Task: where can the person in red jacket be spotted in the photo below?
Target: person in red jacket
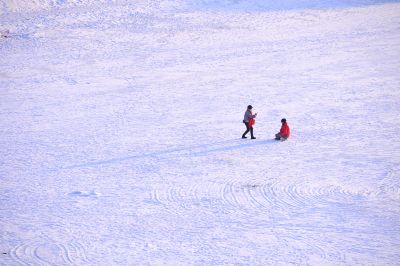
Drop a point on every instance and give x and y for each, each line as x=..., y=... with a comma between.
x=284, y=133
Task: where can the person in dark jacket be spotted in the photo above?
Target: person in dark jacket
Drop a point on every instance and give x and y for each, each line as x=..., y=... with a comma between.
x=248, y=120
x=284, y=133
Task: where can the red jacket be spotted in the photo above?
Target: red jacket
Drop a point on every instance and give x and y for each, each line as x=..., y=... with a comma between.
x=285, y=131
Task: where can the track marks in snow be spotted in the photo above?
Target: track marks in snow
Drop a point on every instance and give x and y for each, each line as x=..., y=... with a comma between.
x=49, y=253
x=253, y=197
x=389, y=185
x=180, y=198
x=266, y=202
x=281, y=195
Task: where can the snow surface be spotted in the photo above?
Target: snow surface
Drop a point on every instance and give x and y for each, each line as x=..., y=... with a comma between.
x=120, y=127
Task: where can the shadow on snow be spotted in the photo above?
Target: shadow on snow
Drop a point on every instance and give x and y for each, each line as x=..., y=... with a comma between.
x=198, y=150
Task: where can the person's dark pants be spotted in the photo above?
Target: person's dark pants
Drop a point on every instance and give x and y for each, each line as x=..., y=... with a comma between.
x=248, y=128
x=279, y=137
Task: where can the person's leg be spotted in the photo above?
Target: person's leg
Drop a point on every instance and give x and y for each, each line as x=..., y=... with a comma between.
x=278, y=136
x=251, y=133
x=247, y=130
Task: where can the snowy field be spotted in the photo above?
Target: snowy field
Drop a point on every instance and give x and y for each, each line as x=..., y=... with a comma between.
x=120, y=125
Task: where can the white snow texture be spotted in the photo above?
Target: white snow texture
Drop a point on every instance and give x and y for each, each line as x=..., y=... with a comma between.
x=121, y=124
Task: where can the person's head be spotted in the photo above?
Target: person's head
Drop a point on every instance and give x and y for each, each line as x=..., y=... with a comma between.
x=283, y=120
x=249, y=107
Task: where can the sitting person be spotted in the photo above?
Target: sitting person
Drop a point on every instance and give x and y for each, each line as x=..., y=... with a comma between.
x=284, y=133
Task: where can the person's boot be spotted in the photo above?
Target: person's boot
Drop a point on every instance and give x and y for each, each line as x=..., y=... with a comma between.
x=244, y=137
x=252, y=137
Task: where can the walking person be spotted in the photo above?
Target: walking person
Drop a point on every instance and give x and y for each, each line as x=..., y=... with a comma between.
x=249, y=122
x=284, y=133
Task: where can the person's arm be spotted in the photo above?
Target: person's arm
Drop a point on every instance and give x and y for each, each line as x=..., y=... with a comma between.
x=246, y=116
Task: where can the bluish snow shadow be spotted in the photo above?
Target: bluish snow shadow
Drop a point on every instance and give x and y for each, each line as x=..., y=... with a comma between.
x=83, y=194
x=234, y=147
x=282, y=5
x=198, y=150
